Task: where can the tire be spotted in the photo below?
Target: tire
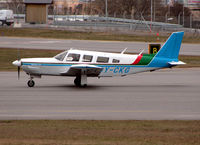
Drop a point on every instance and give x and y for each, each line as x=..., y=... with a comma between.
x=77, y=81
x=31, y=83
x=2, y=23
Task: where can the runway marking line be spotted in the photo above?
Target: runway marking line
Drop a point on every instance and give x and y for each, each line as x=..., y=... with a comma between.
x=93, y=111
x=104, y=111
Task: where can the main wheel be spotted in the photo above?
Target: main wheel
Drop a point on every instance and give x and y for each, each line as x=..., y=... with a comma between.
x=31, y=83
x=77, y=81
x=3, y=24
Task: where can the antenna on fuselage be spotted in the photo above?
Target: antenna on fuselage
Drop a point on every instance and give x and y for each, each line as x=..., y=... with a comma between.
x=124, y=50
x=141, y=52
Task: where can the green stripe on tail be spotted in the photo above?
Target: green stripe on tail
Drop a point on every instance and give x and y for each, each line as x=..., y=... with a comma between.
x=146, y=59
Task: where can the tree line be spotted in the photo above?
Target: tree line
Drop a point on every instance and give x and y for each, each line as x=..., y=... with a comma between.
x=137, y=8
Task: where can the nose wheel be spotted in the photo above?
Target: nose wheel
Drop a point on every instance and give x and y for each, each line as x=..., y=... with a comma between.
x=31, y=83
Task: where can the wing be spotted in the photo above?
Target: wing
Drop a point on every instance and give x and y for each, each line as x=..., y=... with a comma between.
x=89, y=70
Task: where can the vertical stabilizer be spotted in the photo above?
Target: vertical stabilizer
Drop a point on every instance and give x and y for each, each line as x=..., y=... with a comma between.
x=171, y=48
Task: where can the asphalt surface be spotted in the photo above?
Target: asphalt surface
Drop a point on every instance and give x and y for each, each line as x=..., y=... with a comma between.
x=113, y=46
x=166, y=94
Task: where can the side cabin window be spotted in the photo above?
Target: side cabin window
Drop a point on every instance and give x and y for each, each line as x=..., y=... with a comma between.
x=103, y=59
x=87, y=58
x=115, y=61
x=73, y=57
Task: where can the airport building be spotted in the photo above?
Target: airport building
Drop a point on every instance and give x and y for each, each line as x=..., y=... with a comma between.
x=65, y=5
x=68, y=6
x=37, y=11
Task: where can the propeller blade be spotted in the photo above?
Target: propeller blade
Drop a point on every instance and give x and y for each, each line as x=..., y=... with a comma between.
x=18, y=69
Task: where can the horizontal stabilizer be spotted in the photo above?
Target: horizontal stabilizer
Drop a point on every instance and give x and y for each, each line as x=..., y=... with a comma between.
x=173, y=63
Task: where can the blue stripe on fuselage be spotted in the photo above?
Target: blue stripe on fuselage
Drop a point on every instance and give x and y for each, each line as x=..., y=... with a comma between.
x=102, y=65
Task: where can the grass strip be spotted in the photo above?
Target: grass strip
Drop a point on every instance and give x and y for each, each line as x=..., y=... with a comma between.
x=7, y=56
x=81, y=132
x=108, y=36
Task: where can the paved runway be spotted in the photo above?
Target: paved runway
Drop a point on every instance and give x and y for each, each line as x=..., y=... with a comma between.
x=165, y=94
x=40, y=43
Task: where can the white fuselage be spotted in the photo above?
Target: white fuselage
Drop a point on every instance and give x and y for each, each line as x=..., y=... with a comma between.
x=113, y=64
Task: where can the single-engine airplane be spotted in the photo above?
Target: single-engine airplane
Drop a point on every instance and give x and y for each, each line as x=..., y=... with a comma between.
x=82, y=64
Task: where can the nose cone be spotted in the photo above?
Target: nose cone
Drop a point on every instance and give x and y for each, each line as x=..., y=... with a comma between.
x=16, y=63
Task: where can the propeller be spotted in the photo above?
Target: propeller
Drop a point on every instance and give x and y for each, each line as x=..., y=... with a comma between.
x=18, y=63
x=18, y=68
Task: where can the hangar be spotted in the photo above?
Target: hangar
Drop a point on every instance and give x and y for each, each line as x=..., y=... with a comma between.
x=37, y=11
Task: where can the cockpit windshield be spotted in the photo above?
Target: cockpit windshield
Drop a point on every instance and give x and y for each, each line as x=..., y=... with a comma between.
x=61, y=55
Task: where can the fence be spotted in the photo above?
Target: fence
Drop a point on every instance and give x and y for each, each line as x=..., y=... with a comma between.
x=97, y=22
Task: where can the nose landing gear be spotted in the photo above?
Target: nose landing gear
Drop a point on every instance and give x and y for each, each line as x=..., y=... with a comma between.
x=31, y=83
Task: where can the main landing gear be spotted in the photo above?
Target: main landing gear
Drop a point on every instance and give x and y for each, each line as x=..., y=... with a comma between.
x=77, y=81
x=80, y=81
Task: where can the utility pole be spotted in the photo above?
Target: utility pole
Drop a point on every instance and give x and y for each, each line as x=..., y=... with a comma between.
x=154, y=11
x=151, y=10
x=183, y=15
x=179, y=18
x=90, y=7
x=106, y=10
x=151, y=14
x=190, y=20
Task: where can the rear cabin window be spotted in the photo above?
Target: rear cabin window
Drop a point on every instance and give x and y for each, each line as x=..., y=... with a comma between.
x=115, y=61
x=73, y=57
x=87, y=58
x=102, y=59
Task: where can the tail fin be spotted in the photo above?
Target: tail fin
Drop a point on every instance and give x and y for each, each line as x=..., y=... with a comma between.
x=171, y=48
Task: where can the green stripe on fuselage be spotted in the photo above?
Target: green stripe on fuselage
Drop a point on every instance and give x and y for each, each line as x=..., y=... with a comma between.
x=146, y=59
